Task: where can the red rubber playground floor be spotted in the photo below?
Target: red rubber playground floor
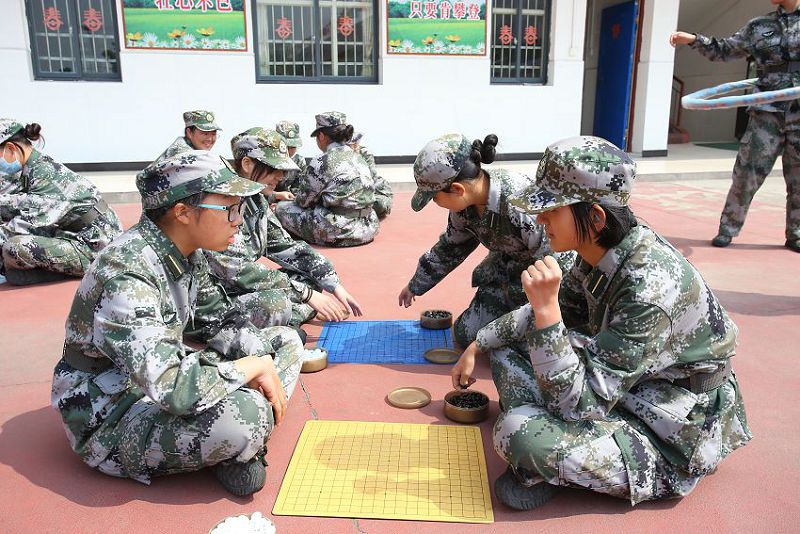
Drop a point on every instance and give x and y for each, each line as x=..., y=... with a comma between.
x=46, y=488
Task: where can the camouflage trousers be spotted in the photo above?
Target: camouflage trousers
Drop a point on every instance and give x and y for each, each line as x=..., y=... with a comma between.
x=612, y=456
x=155, y=442
x=489, y=303
x=768, y=134
x=320, y=226
x=65, y=256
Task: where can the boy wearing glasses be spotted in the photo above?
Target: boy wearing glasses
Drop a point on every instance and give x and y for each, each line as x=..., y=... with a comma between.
x=135, y=400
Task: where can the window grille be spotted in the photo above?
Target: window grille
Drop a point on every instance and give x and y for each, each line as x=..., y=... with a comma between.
x=74, y=39
x=316, y=40
x=520, y=40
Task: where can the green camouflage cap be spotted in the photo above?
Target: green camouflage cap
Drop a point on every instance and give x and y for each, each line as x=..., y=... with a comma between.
x=9, y=127
x=200, y=119
x=328, y=119
x=580, y=169
x=290, y=132
x=437, y=165
x=187, y=174
x=267, y=146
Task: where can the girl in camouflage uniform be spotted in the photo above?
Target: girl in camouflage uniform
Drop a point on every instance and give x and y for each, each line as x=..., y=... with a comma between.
x=333, y=204
x=291, y=179
x=622, y=384
x=773, y=42
x=134, y=399
x=262, y=156
x=383, y=191
x=53, y=222
x=448, y=171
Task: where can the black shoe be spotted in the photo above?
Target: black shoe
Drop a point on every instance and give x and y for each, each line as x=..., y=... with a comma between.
x=721, y=241
x=242, y=479
x=514, y=495
x=26, y=277
x=794, y=246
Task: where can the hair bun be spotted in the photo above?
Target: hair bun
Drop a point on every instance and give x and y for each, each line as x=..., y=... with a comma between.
x=486, y=148
x=32, y=131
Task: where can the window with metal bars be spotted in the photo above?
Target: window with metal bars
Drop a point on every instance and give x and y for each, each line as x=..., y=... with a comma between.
x=74, y=39
x=316, y=40
x=520, y=40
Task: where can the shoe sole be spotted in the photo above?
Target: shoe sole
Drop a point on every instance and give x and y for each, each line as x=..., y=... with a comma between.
x=521, y=498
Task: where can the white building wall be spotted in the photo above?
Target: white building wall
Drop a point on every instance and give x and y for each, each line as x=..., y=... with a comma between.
x=718, y=18
x=417, y=97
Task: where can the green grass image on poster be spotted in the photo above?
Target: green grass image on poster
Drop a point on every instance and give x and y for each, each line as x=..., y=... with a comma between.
x=414, y=36
x=152, y=28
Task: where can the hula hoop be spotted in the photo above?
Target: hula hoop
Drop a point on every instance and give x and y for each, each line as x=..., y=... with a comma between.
x=702, y=99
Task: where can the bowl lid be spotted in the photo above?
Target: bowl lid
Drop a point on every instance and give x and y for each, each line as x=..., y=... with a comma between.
x=442, y=355
x=409, y=397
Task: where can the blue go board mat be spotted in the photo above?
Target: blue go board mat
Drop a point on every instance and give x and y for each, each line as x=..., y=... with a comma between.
x=380, y=341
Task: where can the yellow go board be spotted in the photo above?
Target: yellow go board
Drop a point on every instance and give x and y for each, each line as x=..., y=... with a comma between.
x=387, y=471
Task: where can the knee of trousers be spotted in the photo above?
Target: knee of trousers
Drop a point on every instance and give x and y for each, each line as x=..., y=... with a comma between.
x=526, y=436
x=241, y=425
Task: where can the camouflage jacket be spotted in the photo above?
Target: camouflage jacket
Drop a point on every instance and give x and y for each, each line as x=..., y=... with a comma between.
x=382, y=188
x=132, y=307
x=640, y=319
x=291, y=180
x=46, y=198
x=772, y=41
x=513, y=238
x=338, y=180
x=261, y=234
x=180, y=144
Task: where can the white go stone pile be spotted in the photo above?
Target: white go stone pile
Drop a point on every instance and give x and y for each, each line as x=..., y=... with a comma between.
x=242, y=524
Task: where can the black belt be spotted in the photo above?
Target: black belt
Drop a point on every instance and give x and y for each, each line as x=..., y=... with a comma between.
x=789, y=66
x=87, y=218
x=704, y=382
x=78, y=360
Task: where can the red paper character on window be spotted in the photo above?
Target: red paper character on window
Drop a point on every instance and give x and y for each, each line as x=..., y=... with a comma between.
x=430, y=10
x=531, y=35
x=52, y=19
x=474, y=12
x=445, y=10
x=616, y=29
x=284, y=28
x=345, y=26
x=184, y=5
x=224, y=6
x=459, y=10
x=204, y=5
x=416, y=10
x=92, y=20
x=164, y=5
x=505, y=36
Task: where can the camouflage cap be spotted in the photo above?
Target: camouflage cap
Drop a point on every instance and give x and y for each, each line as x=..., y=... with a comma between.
x=200, y=119
x=189, y=173
x=580, y=169
x=437, y=165
x=327, y=119
x=267, y=146
x=9, y=127
x=356, y=139
x=290, y=132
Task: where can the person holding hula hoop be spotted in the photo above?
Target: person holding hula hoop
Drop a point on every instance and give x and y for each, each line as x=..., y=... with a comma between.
x=773, y=42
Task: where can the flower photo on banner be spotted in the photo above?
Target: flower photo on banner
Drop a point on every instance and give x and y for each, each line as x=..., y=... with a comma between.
x=203, y=25
x=436, y=27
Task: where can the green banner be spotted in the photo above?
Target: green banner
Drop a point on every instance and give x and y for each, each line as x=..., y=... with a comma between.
x=440, y=27
x=185, y=24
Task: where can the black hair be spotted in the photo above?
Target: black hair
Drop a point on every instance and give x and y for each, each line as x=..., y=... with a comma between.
x=190, y=128
x=339, y=134
x=155, y=214
x=31, y=132
x=259, y=168
x=619, y=221
x=481, y=152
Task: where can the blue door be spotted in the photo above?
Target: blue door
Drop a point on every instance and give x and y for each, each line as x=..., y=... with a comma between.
x=615, y=72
